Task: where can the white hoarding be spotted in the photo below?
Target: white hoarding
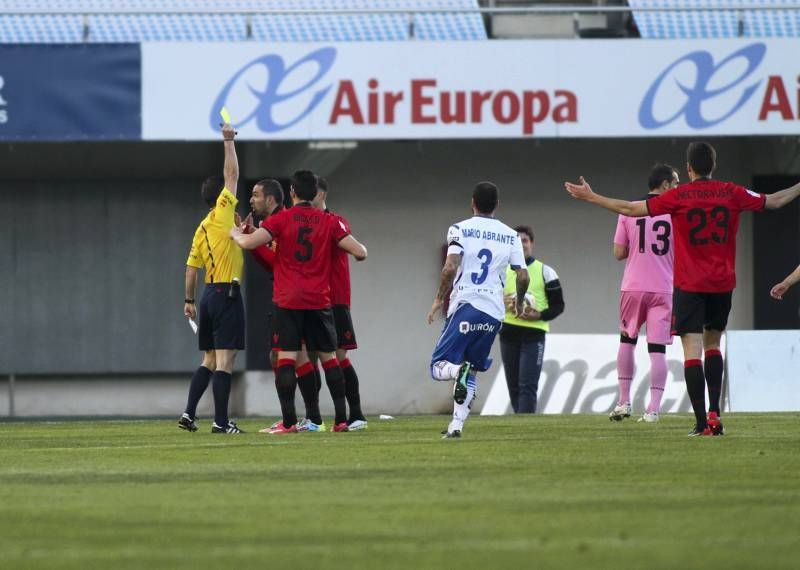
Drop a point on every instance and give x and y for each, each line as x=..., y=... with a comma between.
x=579, y=375
x=764, y=371
x=489, y=89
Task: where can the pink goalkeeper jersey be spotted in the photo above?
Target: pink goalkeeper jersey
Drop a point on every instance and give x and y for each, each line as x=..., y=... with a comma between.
x=650, y=253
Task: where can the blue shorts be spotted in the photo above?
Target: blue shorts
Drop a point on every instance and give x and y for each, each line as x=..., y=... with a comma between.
x=220, y=319
x=467, y=337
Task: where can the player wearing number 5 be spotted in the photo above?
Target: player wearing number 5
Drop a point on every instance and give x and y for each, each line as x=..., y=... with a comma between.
x=305, y=236
x=646, y=295
x=705, y=219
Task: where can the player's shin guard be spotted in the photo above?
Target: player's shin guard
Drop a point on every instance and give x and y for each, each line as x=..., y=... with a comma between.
x=351, y=391
x=221, y=387
x=461, y=411
x=625, y=367
x=658, y=375
x=696, y=387
x=443, y=370
x=335, y=381
x=713, y=368
x=307, y=383
x=285, y=384
x=197, y=387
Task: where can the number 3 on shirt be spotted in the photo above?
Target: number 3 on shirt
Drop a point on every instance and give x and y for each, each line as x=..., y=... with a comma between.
x=302, y=240
x=485, y=256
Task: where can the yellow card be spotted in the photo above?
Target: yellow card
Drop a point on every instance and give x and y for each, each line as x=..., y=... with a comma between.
x=226, y=116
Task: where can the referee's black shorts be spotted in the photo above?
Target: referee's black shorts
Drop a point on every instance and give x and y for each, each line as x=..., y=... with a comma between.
x=293, y=327
x=345, y=335
x=694, y=312
x=220, y=319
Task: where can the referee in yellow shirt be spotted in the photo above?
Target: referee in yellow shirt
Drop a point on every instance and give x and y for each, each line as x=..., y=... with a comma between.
x=220, y=312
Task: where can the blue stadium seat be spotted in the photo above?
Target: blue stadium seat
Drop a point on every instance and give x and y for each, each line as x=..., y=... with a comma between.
x=105, y=21
x=716, y=23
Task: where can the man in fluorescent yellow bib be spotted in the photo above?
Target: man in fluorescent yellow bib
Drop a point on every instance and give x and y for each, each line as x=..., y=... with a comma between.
x=522, y=338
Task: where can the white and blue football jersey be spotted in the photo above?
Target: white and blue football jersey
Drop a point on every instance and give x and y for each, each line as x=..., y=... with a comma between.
x=487, y=247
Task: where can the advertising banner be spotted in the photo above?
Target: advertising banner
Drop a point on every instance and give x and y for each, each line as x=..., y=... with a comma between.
x=763, y=371
x=487, y=89
x=579, y=376
x=58, y=92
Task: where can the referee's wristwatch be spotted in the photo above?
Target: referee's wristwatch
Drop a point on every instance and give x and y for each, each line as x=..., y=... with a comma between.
x=189, y=301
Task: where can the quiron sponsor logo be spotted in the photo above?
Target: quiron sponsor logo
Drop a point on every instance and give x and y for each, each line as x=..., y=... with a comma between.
x=465, y=327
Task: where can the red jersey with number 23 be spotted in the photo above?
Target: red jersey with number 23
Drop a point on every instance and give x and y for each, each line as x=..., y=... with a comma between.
x=705, y=219
x=305, y=236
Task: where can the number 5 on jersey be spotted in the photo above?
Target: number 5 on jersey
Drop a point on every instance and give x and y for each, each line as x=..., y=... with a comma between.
x=305, y=253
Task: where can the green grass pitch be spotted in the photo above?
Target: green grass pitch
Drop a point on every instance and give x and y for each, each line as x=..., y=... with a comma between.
x=515, y=492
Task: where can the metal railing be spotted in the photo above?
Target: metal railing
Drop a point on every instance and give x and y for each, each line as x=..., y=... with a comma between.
x=411, y=14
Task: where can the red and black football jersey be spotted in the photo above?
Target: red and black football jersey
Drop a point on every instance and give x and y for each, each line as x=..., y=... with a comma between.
x=305, y=237
x=705, y=219
x=340, y=269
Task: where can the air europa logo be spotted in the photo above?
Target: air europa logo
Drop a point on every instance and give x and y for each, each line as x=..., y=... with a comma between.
x=423, y=102
x=428, y=104
x=691, y=107
x=275, y=92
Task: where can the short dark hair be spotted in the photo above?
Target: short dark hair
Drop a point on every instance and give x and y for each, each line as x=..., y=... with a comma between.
x=322, y=184
x=271, y=187
x=485, y=197
x=211, y=189
x=304, y=183
x=702, y=158
x=660, y=173
x=527, y=230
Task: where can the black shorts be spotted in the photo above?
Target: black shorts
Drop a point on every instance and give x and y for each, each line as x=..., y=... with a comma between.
x=345, y=335
x=293, y=327
x=220, y=319
x=694, y=312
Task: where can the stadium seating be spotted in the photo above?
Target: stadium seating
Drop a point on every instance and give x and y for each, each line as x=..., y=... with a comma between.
x=716, y=23
x=104, y=21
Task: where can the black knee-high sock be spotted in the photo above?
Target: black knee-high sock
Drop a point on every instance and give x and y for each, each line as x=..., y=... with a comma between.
x=285, y=384
x=351, y=390
x=197, y=387
x=221, y=385
x=317, y=378
x=713, y=367
x=335, y=381
x=696, y=387
x=307, y=383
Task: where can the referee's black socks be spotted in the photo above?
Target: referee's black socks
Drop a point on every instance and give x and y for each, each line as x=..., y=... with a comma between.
x=696, y=388
x=285, y=383
x=221, y=386
x=713, y=370
x=307, y=382
x=197, y=388
x=351, y=390
x=335, y=381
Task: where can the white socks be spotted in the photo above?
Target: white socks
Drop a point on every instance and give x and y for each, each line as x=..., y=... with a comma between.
x=461, y=411
x=443, y=370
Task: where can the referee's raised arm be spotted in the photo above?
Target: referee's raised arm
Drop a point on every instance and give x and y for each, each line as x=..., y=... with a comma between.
x=230, y=170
